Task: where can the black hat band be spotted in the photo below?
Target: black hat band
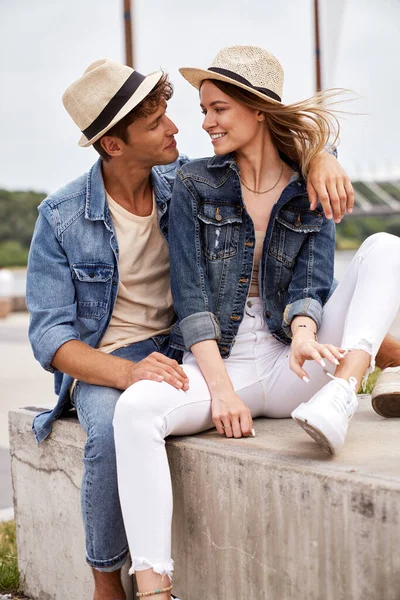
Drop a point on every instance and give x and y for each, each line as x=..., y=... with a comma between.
x=240, y=79
x=114, y=106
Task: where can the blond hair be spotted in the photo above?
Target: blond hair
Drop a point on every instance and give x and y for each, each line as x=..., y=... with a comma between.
x=300, y=130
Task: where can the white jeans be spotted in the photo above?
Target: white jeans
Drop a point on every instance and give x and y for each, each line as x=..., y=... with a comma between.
x=357, y=316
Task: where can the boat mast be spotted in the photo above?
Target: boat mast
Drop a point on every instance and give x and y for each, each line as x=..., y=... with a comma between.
x=318, y=77
x=128, y=32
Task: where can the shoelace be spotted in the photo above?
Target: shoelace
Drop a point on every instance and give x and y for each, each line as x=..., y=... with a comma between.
x=338, y=400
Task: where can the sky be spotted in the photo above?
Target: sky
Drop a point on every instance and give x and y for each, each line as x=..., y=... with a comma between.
x=47, y=44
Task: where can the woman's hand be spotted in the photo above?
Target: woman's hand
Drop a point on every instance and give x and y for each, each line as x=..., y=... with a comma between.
x=308, y=349
x=328, y=182
x=230, y=414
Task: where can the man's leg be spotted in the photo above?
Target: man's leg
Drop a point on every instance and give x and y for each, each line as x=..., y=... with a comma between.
x=389, y=353
x=386, y=393
x=106, y=544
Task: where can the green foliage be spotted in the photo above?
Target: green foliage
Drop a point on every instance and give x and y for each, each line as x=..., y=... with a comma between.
x=368, y=386
x=9, y=576
x=12, y=254
x=352, y=231
x=18, y=214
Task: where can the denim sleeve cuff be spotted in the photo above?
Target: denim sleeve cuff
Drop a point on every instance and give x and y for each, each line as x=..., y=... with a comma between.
x=199, y=327
x=51, y=341
x=306, y=307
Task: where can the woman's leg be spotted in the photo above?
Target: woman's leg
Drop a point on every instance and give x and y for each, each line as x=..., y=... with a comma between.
x=145, y=415
x=356, y=318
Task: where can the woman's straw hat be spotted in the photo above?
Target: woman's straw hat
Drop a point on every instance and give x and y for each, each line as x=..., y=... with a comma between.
x=249, y=67
x=105, y=94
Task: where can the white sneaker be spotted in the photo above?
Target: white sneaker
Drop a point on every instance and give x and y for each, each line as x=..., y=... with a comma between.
x=385, y=396
x=326, y=416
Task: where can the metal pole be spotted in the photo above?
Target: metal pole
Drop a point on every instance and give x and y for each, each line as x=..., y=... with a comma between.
x=318, y=77
x=128, y=33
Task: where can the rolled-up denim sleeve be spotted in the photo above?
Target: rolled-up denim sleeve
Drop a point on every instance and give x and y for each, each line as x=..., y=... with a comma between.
x=312, y=278
x=50, y=293
x=189, y=282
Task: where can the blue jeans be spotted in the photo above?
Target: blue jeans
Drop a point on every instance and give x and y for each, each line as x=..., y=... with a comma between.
x=106, y=543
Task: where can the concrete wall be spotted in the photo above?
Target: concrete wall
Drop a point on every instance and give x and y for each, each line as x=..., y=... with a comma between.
x=46, y=482
x=269, y=518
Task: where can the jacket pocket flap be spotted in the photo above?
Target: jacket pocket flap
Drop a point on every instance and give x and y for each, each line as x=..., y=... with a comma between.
x=219, y=213
x=300, y=221
x=93, y=272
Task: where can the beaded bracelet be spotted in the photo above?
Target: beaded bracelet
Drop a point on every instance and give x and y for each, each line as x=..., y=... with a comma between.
x=154, y=592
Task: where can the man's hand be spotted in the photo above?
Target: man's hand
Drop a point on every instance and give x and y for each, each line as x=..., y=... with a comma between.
x=328, y=182
x=99, y=368
x=157, y=367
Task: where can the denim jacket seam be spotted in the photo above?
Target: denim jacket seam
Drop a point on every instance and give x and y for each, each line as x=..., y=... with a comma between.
x=204, y=180
x=52, y=202
x=198, y=250
x=310, y=264
x=63, y=226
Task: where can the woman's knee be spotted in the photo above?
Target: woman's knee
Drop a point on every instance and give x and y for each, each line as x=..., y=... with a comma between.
x=384, y=244
x=137, y=406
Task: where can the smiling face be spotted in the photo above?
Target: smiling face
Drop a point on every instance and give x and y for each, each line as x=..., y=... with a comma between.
x=230, y=124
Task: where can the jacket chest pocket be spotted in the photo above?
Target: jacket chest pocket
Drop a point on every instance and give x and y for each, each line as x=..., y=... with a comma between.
x=219, y=229
x=291, y=229
x=92, y=288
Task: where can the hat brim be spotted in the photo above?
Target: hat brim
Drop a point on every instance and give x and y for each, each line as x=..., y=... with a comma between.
x=140, y=94
x=196, y=77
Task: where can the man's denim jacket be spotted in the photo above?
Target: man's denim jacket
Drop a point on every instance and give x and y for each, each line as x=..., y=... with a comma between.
x=211, y=241
x=73, y=275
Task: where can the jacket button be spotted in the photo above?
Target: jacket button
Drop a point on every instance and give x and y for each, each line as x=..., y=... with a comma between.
x=91, y=275
x=268, y=314
x=114, y=283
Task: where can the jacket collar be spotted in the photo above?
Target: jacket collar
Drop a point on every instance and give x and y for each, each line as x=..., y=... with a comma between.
x=228, y=160
x=96, y=207
x=95, y=204
x=223, y=160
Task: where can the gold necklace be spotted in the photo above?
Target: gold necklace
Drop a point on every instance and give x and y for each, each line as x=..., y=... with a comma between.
x=265, y=191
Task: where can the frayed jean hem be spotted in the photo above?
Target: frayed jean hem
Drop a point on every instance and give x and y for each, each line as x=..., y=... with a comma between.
x=142, y=564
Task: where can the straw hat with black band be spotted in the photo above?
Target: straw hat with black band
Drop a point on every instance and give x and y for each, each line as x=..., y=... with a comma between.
x=249, y=67
x=105, y=94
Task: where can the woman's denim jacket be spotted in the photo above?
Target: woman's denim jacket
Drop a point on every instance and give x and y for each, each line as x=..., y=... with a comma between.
x=73, y=274
x=211, y=240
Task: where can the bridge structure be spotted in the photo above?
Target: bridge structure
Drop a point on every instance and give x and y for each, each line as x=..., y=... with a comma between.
x=376, y=198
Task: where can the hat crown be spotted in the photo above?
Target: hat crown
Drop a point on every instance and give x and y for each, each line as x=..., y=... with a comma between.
x=86, y=97
x=261, y=68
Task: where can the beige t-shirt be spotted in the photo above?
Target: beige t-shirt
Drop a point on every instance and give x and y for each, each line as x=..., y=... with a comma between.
x=254, y=288
x=143, y=307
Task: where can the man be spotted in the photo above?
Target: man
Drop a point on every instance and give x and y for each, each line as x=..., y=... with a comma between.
x=98, y=280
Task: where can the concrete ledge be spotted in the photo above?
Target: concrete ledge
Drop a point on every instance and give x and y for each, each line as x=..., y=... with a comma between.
x=269, y=518
x=46, y=483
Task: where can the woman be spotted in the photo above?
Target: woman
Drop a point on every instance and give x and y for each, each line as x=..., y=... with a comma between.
x=252, y=272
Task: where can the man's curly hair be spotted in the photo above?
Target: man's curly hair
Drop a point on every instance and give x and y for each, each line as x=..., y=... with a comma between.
x=162, y=91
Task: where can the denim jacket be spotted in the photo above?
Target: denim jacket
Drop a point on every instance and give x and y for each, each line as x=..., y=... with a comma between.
x=73, y=277
x=211, y=240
